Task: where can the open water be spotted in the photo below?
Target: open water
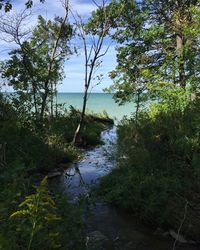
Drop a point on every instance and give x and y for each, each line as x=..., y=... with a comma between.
x=97, y=102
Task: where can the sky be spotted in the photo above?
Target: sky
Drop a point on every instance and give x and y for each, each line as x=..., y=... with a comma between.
x=74, y=67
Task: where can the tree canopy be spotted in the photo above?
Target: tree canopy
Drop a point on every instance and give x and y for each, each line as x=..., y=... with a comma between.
x=157, y=46
x=27, y=70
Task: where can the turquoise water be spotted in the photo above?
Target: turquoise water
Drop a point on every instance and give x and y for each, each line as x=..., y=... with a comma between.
x=97, y=102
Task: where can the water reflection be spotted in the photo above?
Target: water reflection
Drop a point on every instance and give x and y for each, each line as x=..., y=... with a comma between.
x=106, y=224
x=96, y=163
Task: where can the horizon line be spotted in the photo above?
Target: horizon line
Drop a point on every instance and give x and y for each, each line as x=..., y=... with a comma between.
x=65, y=92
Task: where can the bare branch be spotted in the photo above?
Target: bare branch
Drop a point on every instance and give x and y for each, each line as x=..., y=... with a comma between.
x=12, y=27
x=105, y=52
x=92, y=52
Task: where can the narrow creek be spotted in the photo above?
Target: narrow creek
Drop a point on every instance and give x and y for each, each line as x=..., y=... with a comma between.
x=108, y=227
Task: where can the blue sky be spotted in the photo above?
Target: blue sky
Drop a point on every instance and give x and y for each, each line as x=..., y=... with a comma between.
x=74, y=67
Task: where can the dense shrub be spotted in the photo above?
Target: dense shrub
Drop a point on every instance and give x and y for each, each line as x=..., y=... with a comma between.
x=42, y=220
x=158, y=172
x=29, y=149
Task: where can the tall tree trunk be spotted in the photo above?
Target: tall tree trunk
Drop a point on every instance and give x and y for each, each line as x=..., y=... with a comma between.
x=56, y=100
x=52, y=96
x=44, y=101
x=35, y=100
x=180, y=52
x=137, y=106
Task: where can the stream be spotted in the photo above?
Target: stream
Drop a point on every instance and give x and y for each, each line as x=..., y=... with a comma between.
x=108, y=227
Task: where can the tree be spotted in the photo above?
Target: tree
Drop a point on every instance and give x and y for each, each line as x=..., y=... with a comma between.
x=7, y=5
x=128, y=76
x=92, y=34
x=176, y=19
x=36, y=67
x=158, y=47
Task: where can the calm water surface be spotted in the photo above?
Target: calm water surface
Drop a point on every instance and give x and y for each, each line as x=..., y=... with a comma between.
x=107, y=227
x=97, y=102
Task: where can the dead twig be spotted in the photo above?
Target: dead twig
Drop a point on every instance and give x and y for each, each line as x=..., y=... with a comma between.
x=182, y=222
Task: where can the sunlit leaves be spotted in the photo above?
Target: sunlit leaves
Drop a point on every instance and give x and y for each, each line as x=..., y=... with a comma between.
x=28, y=69
x=40, y=210
x=148, y=52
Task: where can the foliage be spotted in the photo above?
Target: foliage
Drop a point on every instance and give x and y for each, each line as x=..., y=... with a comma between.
x=158, y=148
x=14, y=184
x=34, y=139
x=33, y=148
x=33, y=70
x=158, y=165
x=63, y=230
x=93, y=35
x=39, y=211
x=7, y=5
x=91, y=130
x=159, y=45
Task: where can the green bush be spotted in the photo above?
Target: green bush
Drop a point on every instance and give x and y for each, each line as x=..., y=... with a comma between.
x=43, y=220
x=32, y=148
x=158, y=166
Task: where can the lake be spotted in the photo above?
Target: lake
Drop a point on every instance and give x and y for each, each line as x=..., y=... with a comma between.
x=97, y=102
